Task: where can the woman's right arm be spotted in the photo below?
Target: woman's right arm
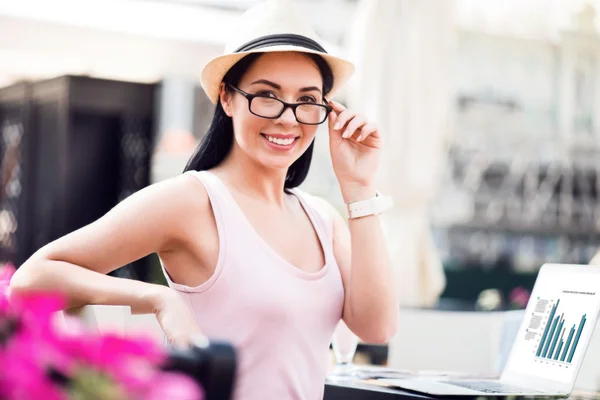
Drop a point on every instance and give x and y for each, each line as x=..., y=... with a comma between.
x=153, y=219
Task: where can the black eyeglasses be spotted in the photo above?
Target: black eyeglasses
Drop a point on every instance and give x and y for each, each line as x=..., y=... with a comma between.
x=272, y=108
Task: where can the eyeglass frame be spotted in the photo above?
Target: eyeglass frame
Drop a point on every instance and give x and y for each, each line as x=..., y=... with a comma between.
x=286, y=105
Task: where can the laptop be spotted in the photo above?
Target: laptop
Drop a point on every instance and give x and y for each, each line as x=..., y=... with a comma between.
x=548, y=351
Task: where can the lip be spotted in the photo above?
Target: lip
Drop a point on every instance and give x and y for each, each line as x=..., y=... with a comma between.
x=281, y=135
x=278, y=147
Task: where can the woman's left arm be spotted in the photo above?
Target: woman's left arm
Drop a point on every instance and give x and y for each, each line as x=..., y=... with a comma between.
x=370, y=305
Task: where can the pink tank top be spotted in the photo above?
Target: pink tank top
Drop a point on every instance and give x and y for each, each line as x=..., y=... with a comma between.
x=279, y=318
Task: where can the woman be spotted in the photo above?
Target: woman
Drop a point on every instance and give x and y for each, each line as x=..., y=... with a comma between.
x=249, y=257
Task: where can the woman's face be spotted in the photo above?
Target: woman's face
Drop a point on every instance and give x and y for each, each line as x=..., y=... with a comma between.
x=288, y=76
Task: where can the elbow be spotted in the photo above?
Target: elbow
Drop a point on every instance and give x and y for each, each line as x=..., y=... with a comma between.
x=19, y=283
x=23, y=279
x=382, y=334
x=386, y=328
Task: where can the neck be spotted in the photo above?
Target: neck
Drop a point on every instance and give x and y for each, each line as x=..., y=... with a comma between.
x=251, y=178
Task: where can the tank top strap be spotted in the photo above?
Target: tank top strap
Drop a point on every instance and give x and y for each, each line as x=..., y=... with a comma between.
x=228, y=213
x=218, y=201
x=214, y=191
x=321, y=217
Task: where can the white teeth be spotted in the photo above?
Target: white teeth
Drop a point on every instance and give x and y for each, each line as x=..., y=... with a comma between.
x=281, y=142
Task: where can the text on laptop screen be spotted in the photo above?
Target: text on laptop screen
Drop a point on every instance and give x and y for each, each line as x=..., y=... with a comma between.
x=559, y=321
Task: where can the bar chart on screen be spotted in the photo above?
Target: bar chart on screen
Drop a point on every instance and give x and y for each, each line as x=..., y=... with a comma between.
x=559, y=343
x=558, y=325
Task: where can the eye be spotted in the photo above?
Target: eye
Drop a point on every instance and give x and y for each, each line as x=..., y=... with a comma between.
x=307, y=99
x=266, y=93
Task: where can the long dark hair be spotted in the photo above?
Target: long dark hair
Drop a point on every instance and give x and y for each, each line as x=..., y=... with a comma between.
x=217, y=142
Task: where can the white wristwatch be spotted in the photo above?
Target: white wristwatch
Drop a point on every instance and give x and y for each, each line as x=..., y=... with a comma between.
x=373, y=206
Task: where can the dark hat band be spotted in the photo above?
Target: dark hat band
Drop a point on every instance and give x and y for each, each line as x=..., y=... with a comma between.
x=287, y=39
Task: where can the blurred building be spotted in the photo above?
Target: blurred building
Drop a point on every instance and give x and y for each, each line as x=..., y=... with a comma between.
x=520, y=184
x=522, y=180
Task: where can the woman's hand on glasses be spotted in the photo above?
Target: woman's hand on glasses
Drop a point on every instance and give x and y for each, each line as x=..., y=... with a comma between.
x=355, y=149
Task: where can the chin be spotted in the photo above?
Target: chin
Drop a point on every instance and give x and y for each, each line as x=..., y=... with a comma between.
x=277, y=162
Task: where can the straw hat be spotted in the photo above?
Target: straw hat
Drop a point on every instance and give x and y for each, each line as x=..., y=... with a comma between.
x=270, y=26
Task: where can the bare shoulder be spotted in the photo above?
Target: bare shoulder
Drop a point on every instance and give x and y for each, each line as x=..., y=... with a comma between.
x=154, y=219
x=190, y=190
x=339, y=231
x=325, y=206
x=330, y=212
x=182, y=199
x=183, y=194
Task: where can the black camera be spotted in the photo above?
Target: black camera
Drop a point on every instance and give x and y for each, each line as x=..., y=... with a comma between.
x=211, y=364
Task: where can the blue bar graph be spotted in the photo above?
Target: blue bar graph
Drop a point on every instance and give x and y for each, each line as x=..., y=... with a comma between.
x=556, y=335
x=581, y=324
x=561, y=344
x=553, y=344
x=564, y=354
x=551, y=337
x=545, y=335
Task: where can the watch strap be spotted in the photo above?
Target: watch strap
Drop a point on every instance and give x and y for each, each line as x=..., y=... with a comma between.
x=373, y=206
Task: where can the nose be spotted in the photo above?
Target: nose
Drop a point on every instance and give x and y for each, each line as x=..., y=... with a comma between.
x=287, y=118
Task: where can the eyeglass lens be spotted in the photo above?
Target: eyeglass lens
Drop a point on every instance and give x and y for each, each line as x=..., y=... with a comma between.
x=271, y=108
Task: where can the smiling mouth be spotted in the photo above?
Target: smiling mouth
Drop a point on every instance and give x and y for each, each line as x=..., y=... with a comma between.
x=280, y=141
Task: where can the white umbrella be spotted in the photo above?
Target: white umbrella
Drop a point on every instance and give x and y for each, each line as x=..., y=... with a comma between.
x=403, y=52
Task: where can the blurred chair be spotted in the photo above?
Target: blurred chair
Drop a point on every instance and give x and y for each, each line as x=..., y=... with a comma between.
x=145, y=325
x=118, y=319
x=469, y=342
x=100, y=318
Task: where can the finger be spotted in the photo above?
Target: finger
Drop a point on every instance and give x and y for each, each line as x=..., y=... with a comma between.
x=343, y=119
x=331, y=120
x=178, y=343
x=337, y=107
x=355, y=124
x=366, y=131
x=333, y=134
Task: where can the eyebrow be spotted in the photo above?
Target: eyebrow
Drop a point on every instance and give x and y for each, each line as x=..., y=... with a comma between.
x=310, y=89
x=278, y=87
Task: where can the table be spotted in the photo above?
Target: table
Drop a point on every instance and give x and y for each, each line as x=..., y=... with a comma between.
x=362, y=391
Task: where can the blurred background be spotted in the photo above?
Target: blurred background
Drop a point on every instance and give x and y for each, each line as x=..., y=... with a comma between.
x=490, y=113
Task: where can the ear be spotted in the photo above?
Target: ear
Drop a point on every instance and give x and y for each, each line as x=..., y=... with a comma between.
x=225, y=97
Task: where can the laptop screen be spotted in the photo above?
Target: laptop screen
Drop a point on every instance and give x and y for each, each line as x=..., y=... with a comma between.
x=558, y=324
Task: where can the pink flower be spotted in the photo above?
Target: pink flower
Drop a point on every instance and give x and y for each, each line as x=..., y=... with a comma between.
x=34, y=313
x=6, y=273
x=519, y=297
x=4, y=306
x=33, y=346
x=30, y=346
x=29, y=356
x=174, y=386
x=129, y=362
x=27, y=379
